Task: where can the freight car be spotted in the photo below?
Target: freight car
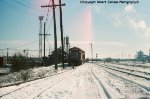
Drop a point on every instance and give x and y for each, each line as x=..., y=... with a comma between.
x=76, y=56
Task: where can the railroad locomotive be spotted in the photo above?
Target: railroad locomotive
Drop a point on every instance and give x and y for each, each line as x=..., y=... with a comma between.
x=76, y=56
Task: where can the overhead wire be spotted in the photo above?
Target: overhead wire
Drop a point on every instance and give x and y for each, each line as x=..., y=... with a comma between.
x=47, y=15
x=26, y=44
x=48, y=22
x=28, y=6
x=49, y=43
x=48, y=28
x=19, y=9
x=27, y=1
x=13, y=7
x=24, y=4
x=12, y=4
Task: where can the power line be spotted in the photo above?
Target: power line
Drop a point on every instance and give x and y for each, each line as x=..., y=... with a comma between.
x=49, y=25
x=26, y=44
x=22, y=3
x=49, y=43
x=28, y=2
x=55, y=29
x=47, y=15
x=12, y=6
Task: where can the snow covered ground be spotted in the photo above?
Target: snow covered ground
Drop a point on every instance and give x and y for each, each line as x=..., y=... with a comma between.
x=88, y=81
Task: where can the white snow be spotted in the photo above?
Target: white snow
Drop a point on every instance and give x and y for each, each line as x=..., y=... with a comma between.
x=88, y=81
x=141, y=81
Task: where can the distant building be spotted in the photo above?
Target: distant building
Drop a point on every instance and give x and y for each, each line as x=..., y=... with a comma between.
x=3, y=61
x=142, y=57
x=59, y=56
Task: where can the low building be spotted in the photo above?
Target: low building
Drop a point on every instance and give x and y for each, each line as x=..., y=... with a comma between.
x=142, y=57
x=3, y=61
x=59, y=56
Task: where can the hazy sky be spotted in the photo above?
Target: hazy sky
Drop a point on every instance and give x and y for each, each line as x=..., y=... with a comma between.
x=115, y=30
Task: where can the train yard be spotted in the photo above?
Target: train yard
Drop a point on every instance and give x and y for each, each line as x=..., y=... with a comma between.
x=134, y=74
x=88, y=81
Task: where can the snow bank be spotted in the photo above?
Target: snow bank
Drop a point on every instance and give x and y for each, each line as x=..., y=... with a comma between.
x=29, y=75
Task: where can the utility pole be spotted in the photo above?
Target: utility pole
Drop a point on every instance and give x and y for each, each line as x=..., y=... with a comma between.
x=92, y=51
x=55, y=35
x=7, y=55
x=149, y=52
x=55, y=32
x=67, y=43
x=61, y=29
x=44, y=40
x=64, y=43
x=149, y=56
x=96, y=56
x=44, y=43
x=49, y=51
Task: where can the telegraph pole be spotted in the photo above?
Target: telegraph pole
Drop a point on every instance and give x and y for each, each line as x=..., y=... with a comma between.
x=55, y=34
x=44, y=38
x=67, y=43
x=92, y=51
x=61, y=29
x=149, y=52
x=7, y=55
x=44, y=42
x=149, y=56
x=96, y=56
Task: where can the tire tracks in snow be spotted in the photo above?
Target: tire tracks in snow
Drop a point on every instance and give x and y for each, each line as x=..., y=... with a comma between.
x=85, y=85
x=108, y=96
x=54, y=85
x=67, y=91
x=42, y=79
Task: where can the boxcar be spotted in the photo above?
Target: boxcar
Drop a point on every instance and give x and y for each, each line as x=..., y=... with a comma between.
x=76, y=56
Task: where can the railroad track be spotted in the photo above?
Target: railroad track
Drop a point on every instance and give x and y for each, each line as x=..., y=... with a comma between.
x=106, y=92
x=139, y=68
x=136, y=65
x=129, y=69
x=136, y=73
x=110, y=71
x=145, y=87
x=42, y=80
